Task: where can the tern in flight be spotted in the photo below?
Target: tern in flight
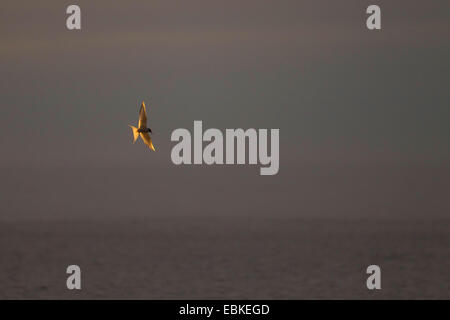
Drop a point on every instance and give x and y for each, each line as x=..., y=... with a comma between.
x=142, y=129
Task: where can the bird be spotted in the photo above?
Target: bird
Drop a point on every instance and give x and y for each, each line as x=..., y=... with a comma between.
x=142, y=130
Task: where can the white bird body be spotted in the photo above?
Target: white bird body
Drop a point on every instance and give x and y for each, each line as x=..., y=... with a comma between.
x=142, y=130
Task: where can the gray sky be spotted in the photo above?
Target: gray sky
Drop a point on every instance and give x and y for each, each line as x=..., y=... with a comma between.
x=340, y=94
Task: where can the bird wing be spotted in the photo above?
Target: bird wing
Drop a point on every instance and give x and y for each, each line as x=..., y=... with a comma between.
x=147, y=140
x=142, y=117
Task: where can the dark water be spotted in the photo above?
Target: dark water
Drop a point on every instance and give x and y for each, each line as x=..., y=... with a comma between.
x=225, y=258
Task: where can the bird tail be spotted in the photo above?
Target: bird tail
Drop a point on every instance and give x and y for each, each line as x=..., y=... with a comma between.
x=135, y=133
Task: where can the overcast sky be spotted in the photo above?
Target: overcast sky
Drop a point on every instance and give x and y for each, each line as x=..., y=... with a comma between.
x=339, y=93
